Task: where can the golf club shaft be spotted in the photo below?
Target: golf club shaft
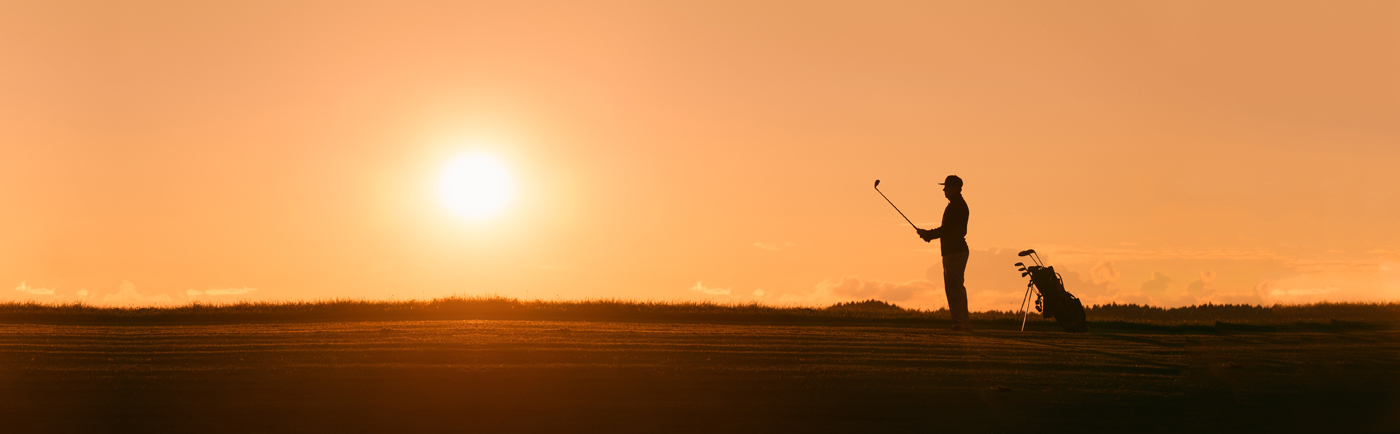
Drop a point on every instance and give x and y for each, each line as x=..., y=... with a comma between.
x=896, y=209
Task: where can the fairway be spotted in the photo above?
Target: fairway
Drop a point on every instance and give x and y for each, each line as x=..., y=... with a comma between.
x=540, y=376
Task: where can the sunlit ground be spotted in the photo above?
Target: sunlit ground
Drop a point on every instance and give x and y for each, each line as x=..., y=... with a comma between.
x=553, y=376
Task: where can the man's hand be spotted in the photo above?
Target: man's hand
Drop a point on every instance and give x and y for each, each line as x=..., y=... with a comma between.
x=926, y=234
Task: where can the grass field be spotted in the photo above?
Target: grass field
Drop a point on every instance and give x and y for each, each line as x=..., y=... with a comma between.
x=125, y=373
x=870, y=311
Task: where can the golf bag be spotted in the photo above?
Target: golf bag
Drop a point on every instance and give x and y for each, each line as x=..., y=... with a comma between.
x=1051, y=299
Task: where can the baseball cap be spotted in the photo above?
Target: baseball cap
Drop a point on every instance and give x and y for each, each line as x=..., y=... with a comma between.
x=953, y=180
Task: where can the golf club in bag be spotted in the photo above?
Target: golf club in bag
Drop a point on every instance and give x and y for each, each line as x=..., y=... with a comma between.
x=1051, y=299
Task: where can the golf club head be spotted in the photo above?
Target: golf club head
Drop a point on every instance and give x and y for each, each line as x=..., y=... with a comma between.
x=877, y=183
x=1027, y=252
x=1021, y=269
x=1025, y=274
x=1018, y=264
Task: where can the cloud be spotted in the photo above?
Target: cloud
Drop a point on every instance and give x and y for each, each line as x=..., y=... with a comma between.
x=1241, y=275
x=1202, y=288
x=1167, y=278
x=772, y=247
x=1302, y=291
x=1248, y=296
x=1335, y=281
x=25, y=288
x=1205, y=290
x=701, y=288
x=49, y=295
x=1083, y=254
x=1104, y=272
x=1390, y=280
x=849, y=288
x=218, y=292
x=1090, y=290
x=127, y=296
x=1307, y=288
x=1162, y=290
x=1156, y=277
x=730, y=294
x=856, y=288
x=1155, y=291
x=1157, y=284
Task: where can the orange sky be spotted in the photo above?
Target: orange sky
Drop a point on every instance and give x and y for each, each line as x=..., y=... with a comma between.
x=1165, y=152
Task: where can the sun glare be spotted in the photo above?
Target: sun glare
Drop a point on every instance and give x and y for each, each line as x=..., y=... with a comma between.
x=475, y=186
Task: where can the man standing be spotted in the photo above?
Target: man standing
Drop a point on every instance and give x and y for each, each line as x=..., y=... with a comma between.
x=954, y=247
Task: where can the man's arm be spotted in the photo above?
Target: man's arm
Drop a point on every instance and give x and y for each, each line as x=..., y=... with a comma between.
x=931, y=234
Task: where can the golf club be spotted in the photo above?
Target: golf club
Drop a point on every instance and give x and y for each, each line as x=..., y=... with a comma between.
x=896, y=209
x=1034, y=257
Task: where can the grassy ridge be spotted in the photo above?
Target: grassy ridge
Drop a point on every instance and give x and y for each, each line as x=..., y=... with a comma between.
x=627, y=310
x=458, y=308
x=1314, y=312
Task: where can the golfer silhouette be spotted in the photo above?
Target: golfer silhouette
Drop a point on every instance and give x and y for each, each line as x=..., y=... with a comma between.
x=953, y=245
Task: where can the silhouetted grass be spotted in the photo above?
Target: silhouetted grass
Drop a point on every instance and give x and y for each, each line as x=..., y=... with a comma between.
x=1240, y=313
x=491, y=307
x=454, y=308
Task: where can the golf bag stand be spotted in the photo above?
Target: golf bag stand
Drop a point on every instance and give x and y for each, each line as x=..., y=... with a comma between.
x=1052, y=300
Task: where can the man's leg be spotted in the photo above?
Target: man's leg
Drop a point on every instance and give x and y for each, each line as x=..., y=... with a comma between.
x=954, y=265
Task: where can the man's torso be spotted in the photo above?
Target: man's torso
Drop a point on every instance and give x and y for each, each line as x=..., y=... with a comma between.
x=954, y=237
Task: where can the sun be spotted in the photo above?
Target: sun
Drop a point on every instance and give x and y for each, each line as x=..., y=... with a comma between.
x=475, y=186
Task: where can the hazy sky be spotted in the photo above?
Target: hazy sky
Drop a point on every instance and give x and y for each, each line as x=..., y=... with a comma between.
x=1165, y=152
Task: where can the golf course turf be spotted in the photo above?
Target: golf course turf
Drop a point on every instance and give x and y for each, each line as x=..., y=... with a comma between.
x=657, y=376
